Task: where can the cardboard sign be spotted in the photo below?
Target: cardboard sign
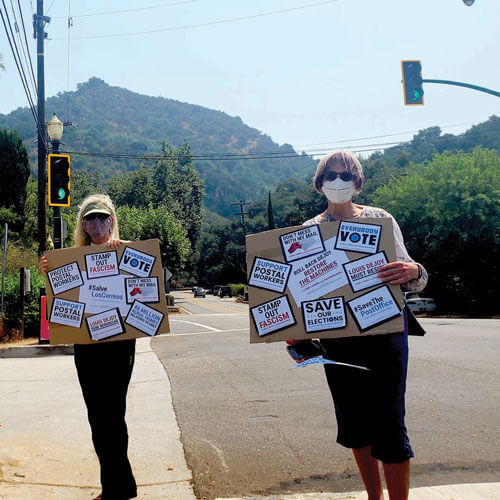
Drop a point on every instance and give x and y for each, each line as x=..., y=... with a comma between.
x=272, y=316
x=316, y=276
x=101, y=264
x=141, y=289
x=137, y=263
x=93, y=308
x=65, y=278
x=324, y=314
x=301, y=243
x=362, y=273
x=358, y=237
x=316, y=301
x=269, y=275
x=67, y=312
x=374, y=308
x=144, y=318
x=105, y=325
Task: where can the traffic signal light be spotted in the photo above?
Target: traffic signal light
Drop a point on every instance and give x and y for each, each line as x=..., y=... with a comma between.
x=59, y=180
x=412, y=83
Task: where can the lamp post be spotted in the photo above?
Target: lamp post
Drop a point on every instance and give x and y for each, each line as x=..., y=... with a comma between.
x=55, y=129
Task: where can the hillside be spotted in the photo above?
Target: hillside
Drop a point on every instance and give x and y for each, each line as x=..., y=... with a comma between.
x=114, y=120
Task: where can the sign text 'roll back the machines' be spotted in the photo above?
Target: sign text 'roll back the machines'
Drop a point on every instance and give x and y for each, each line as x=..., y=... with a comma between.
x=321, y=281
x=99, y=294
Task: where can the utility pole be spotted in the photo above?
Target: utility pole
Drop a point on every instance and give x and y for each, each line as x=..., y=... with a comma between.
x=39, y=21
x=242, y=213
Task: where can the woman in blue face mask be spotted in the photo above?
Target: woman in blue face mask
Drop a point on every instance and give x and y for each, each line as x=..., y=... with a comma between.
x=105, y=389
x=369, y=405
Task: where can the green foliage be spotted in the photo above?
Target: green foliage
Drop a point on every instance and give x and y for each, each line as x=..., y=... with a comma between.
x=449, y=212
x=238, y=289
x=142, y=224
x=14, y=174
x=113, y=120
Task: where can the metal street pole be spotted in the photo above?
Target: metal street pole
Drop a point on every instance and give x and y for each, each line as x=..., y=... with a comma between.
x=39, y=23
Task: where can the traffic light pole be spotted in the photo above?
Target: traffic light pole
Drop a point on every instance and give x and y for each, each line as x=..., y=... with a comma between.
x=39, y=23
x=461, y=84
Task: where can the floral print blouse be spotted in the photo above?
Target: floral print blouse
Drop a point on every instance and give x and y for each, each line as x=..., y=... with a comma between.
x=401, y=253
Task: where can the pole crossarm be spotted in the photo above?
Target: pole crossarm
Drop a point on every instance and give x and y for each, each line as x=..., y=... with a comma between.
x=461, y=84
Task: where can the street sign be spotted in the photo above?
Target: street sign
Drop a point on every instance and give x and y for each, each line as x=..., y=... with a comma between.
x=167, y=274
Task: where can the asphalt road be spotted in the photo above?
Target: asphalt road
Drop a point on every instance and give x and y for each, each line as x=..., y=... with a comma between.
x=252, y=424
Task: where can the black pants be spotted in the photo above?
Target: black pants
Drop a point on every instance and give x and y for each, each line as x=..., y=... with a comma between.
x=104, y=372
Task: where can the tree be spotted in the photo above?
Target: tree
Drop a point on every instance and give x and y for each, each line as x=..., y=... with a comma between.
x=14, y=175
x=142, y=224
x=449, y=212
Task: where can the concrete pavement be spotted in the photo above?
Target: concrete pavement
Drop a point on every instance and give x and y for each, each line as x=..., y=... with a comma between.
x=46, y=450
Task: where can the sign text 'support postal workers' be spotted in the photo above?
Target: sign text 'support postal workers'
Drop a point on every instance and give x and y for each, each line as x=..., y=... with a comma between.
x=321, y=281
x=96, y=294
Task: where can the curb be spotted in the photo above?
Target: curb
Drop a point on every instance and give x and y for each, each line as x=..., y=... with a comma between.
x=36, y=351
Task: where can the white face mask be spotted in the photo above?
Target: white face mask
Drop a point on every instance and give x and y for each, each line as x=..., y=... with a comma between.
x=338, y=191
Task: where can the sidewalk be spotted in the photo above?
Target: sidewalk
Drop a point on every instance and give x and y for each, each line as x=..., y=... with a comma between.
x=46, y=451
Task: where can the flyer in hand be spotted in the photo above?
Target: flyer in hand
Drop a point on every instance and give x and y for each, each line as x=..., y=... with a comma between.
x=321, y=281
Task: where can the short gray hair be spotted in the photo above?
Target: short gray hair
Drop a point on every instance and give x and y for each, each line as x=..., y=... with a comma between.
x=345, y=159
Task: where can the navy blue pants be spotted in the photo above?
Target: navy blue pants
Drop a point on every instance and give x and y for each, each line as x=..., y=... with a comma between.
x=104, y=372
x=370, y=405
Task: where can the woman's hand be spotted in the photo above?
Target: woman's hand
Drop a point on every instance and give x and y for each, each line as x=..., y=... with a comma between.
x=114, y=243
x=399, y=272
x=44, y=264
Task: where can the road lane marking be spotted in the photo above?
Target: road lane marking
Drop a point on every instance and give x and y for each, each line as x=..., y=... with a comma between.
x=209, y=304
x=204, y=333
x=197, y=324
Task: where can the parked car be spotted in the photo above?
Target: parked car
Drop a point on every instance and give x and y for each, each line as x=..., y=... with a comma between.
x=225, y=291
x=421, y=304
x=199, y=292
x=194, y=288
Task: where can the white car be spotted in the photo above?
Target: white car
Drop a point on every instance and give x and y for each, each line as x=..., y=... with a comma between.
x=420, y=304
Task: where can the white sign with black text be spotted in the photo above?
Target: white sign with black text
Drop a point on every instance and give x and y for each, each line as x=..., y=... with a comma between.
x=358, y=237
x=269, y=274
x=65, y=278
x=101, y=264
x=316, y=276
x=67, y=312
x=272, y=316
x=136, y=262
x=142, y=289
x=302, y=243
x=102, y=293
x=374, y=308
x=105, y=325
x=324, y=314
x=144, y=318
x=362, y=273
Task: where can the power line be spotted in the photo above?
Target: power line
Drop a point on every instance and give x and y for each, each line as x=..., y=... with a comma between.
x=128, y=10
x=377, y=136
x=201, y=25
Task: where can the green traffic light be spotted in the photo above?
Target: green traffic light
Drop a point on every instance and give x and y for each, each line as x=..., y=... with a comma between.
x=416, y=95
x=61, y=193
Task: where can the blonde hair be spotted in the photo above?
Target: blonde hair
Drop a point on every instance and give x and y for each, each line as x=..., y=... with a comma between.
x=346, y=160
x=81, y=237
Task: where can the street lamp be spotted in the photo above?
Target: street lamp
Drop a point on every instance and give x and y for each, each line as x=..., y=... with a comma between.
x=55, y=129
x=468, y=2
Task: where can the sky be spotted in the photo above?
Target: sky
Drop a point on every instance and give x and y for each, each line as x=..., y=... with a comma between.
x=311, y=73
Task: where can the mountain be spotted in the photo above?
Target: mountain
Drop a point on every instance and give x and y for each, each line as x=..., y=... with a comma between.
x=113, y=120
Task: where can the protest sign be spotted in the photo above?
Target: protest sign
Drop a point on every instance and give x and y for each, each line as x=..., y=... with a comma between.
x=95, y=293
x=332, y=281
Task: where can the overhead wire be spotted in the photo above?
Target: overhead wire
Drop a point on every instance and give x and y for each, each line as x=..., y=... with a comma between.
x=129, y=10
x=17, y=60
x=30, y=63
x=201, y=25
